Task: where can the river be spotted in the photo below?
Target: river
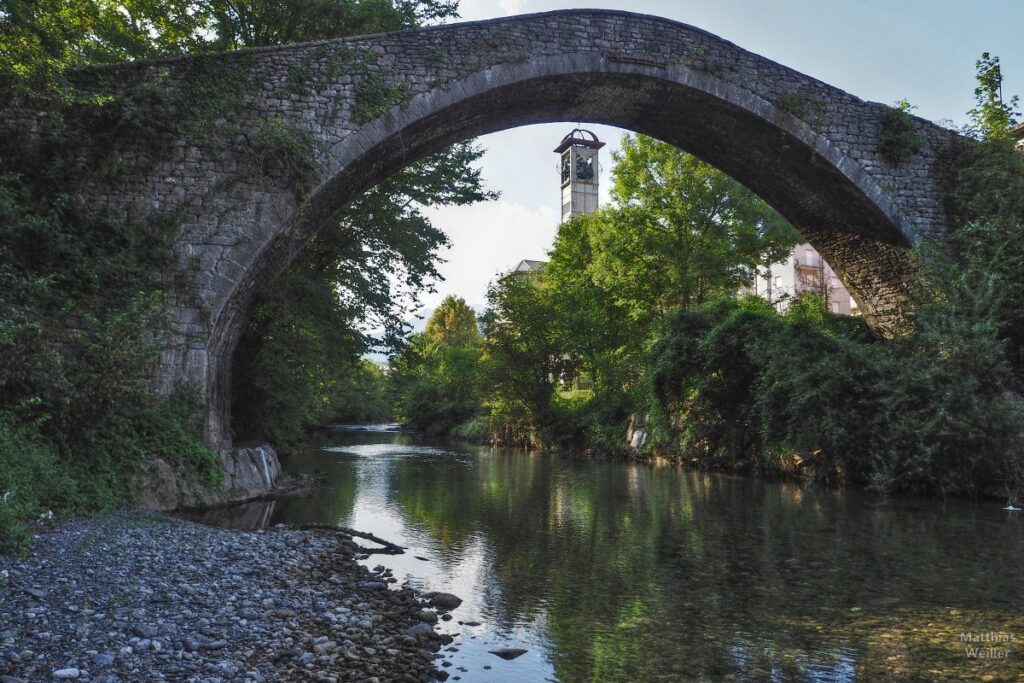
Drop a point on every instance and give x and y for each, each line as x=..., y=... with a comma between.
x=614, y=571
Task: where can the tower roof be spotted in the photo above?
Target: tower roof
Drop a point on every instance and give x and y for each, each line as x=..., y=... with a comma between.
x=578, y=138
x=528, y=266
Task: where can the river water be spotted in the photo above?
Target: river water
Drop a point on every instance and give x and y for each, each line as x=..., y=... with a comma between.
x=612, y=571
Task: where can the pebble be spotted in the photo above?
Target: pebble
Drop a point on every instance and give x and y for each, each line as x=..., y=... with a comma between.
x=102, y=659
x=144, y=596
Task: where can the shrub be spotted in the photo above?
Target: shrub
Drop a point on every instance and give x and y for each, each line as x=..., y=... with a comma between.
x=897, y=140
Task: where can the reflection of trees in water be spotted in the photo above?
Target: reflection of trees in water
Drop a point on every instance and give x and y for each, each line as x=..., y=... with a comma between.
x=335, y=506
x=646, y=573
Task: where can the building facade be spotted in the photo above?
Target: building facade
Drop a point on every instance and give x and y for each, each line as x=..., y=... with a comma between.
x=803, y=271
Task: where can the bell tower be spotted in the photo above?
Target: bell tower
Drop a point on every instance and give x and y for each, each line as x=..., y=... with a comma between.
x=579, y=171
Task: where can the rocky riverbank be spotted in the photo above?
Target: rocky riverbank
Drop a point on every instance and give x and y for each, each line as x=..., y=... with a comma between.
x=140, y=596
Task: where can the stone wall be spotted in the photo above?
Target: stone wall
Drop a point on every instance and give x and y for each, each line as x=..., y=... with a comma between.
x=365, y=107
x=248, y=473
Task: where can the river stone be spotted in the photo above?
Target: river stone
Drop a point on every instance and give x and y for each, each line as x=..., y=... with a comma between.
x=508, y=652
x=445, y=601
x=145, y=631
x=102, y=659
x=421, y=628
x=428, y=616
x=64, y=674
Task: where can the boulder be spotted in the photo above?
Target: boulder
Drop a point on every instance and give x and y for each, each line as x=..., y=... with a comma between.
x=155, y=486
x=248, y=473
x=637, y=434
x=444, y=601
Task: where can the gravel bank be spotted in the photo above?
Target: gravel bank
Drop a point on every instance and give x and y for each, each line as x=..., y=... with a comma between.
x=139, y=596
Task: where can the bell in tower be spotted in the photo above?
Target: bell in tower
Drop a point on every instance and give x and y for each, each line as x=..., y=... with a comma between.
x=579, y=171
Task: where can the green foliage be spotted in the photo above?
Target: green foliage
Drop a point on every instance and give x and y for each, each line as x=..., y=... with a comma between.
x=41, y=38
x=80, y=294
x=452, y=323
x=993, y=116
x=437, y=55
x=814, y=394
x=436, y=377
x=76, y=344
x=285, y=153
x=297, y=363
x=254, y=23
x=678, y=232
x=374, y=96
x=806, y=105
x=987, y=205
x=897, y=140
x=522, y=356
x=740, y=386
x=299, y=367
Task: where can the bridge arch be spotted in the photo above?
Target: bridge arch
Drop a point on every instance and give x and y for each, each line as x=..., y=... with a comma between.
x=810, y=150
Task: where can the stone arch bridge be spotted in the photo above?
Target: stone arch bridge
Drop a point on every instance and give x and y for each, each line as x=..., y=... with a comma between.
x=280, y=139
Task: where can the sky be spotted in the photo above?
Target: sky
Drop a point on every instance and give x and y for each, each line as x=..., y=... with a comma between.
x=878, y=50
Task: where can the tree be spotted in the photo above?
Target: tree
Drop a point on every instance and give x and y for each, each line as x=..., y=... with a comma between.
x=679, y=232
x=993, y=116
x=987, y=202
x=436, y=376
x=251, y=23
x=592, y=328
x=453, y=323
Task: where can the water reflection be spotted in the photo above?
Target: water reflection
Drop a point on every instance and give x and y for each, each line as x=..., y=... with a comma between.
x=611, y=571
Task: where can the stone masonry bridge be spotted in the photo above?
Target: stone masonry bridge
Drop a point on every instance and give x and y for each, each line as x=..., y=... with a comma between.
x=278, y=140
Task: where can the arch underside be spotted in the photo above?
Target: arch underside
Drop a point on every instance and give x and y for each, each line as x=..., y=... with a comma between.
x=806, y=179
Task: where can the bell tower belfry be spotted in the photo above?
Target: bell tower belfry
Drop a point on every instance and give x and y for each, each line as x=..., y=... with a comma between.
x=579, y=171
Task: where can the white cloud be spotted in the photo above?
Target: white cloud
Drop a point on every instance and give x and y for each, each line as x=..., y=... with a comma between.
x=512, y=6
x=488, y=239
